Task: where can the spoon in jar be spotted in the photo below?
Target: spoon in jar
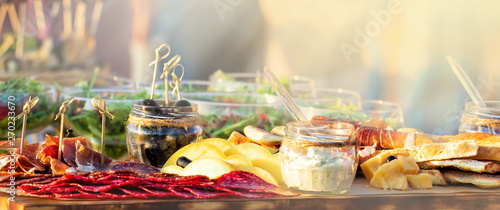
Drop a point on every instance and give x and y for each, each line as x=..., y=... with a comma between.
x=287, y=99
x=466, y=82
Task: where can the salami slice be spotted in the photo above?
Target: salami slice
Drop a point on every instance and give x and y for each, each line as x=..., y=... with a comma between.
x=124, y=185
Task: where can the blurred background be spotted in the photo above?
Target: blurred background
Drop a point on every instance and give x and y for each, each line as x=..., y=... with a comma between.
x=392, y=50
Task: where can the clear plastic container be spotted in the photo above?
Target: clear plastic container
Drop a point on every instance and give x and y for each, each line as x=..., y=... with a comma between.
x=481, y=119
x=322, y=159
x=155, y=133
x=392, y=113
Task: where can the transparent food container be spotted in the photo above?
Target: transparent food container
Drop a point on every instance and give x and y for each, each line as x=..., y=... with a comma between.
x=154, y=133
x=221, y=113
x=392, y=113
x=40, y=116
x=322, y=159
x=481, y=119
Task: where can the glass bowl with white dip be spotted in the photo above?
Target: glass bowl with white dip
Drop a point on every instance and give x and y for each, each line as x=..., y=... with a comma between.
x=320, y=159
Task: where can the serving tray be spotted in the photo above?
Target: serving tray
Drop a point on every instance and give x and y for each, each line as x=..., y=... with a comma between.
x=361, y=196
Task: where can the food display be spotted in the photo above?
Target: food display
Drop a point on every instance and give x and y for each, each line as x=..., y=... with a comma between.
x=13, y=95
x=86, y=122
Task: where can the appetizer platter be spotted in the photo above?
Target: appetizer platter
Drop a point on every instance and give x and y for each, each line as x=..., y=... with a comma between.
x=163, y=146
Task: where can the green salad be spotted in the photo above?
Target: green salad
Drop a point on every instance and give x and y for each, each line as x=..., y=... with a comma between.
x=224, y=116
x=17, y=92
x=347, y=111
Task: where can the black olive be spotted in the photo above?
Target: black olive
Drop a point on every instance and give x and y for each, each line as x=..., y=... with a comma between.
x=183, y=161
x=390, y=158
x=182, y=103
x=149, y=102
x=69, y=131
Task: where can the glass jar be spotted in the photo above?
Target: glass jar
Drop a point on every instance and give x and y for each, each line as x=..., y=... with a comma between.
x=481, y=119
x=154, y=133
x=322, y=159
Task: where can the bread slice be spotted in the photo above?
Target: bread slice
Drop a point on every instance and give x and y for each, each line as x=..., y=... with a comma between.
x=443, y=151
x=237, y=138
x=463, y=164
x=480, y=180
x=261, y=136
x=437, y=177
x=279, y=130
x=489, y=144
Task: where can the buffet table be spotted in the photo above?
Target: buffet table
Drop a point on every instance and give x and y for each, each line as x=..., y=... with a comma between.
x=361, y=196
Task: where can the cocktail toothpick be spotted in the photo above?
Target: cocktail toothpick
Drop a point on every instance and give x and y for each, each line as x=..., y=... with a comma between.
x=79, y=24
x=26, y=110
x=39, y=15
x=97, y=103
x=20, y=32
x=96, y=15
x=167, y=67
x=67, y=19
x=177, y=82
x=155, y=63
x=62, y=110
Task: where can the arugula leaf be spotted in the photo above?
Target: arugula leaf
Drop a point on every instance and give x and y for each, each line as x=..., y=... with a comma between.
x=21, y=85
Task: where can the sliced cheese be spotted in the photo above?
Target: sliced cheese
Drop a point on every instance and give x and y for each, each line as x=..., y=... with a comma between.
x=420, y=181
x=390, y=176
x=409, y=164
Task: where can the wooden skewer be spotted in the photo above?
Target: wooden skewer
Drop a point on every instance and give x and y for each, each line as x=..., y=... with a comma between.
x=97, y=102
x=40, y=18
x=20, y=31
x=26, y=110
x=62, y=110
x=167, y=67
x=96, y=16
x=177, y=82
x=3, y=14
x=155, y=63
x=67, y=18
x=81, y=8
x=14, y=21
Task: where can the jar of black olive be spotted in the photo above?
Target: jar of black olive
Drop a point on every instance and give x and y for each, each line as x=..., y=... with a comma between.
x=154, y=133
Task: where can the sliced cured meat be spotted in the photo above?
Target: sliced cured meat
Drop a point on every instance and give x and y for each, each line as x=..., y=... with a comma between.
x=5, y=162
x=7, y=144
x=89, y=160
x=123, y=185
x=69, y=148
x=56, y=166
x=181, y=192
x=385, y=139
x=50, y=140
x=207, y=192
x=250, y=182
x=48, y=151
x=29, y=165
x=138, y=168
